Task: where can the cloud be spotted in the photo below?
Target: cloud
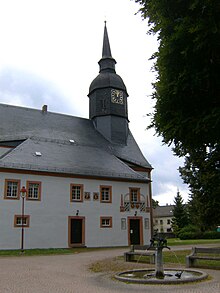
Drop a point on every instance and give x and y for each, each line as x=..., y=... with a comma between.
x=166, y=179
x=20, y=87
x=23, y=88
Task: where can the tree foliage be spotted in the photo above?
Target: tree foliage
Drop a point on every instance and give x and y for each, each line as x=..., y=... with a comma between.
x=180, y=217
x=155, y=203
x=202, y=173
x=187, y=93
x=187, y=110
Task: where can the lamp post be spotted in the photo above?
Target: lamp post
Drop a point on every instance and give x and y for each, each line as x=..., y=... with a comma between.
x=23, y=192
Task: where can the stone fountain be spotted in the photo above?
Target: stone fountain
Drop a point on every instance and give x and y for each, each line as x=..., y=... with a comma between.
x=159, y=275
x=158, y=244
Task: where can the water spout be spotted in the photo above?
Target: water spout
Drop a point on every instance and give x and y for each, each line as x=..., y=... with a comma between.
x=179, y=274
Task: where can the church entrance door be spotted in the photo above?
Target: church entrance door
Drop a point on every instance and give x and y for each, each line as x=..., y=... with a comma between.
x=76, y=231
x=135, y=231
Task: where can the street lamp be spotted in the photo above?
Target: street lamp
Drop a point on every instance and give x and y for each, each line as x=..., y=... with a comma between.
x=23, y=192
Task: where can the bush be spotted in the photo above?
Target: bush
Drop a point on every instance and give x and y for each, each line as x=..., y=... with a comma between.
x=211, y=235
x=190, y=235
x=189, y=228
x=189, y=232
x=184, y=234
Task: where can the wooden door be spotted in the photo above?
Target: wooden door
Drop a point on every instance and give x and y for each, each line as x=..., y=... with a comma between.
x=135, y=231
x=76, y=231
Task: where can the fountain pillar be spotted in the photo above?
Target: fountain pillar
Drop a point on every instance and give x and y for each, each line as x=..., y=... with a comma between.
x=158, y=244
x=159, y=272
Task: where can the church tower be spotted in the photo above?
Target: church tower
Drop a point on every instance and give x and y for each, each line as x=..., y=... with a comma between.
x=108, y=99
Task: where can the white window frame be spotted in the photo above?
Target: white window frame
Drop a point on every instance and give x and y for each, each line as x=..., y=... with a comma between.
x=33, y=190
x=18, y=221
x=12, y=189
x=105, y=194
x=106, y=222
x=76, y=192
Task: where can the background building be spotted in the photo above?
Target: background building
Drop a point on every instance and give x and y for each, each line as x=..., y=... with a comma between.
x=162, y=219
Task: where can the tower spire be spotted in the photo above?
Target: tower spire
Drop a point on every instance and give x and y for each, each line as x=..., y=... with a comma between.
x=106, y=50
x=107, y=63
x=108, y=99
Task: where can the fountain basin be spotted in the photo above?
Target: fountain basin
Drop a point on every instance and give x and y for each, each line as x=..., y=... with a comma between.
x=147, y=276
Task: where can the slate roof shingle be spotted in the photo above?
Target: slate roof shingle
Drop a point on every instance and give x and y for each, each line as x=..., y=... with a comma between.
x=50, y=133
x=163, y=211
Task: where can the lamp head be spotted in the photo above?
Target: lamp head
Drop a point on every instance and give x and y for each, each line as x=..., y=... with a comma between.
x=23, y=191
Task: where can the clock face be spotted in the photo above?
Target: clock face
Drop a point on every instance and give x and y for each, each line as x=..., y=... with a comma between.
x=117, y=96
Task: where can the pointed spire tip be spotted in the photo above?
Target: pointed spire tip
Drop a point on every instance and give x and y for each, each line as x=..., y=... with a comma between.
x=106, y=51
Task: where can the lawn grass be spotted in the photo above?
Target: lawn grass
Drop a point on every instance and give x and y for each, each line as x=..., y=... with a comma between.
x=178, y=258
x=49, y=251
x=56, y=251
x=193, y=242
x=175, y=257
x=30, y=252
x=169, y=257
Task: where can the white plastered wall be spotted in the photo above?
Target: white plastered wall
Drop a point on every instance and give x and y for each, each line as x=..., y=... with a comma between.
x=49, y=217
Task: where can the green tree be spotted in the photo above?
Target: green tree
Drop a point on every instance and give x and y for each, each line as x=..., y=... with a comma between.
x=180, y=217
x=186, y=93
x=155, y=203
x=201, y=173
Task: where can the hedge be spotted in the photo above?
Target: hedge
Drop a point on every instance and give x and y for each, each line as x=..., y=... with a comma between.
x=199, y=235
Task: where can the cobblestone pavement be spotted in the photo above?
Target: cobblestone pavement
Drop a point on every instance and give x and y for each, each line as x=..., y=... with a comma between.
x=69, y=273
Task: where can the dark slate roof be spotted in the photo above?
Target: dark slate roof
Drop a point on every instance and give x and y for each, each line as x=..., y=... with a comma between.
x=106, y=80
x=106, y=50
x=50, y=134
x=107, y=77
x=163, y=211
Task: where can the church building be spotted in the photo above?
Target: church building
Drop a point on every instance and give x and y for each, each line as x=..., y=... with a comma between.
x=73, y=182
